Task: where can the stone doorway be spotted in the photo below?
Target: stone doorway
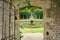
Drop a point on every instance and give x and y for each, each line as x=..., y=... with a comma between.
x=31, y=26
x=45, y=7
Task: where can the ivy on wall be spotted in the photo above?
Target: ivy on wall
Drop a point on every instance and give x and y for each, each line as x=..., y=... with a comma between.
x=58, y=3
x=26, y=2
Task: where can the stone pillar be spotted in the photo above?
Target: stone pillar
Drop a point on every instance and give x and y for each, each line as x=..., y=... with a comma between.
x=8, y=23
x=16, y=17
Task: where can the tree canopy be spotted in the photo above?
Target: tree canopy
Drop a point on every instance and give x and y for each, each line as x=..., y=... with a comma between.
x=25, y=12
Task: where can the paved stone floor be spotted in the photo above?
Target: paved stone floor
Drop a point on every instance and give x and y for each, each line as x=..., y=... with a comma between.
x=32, y=36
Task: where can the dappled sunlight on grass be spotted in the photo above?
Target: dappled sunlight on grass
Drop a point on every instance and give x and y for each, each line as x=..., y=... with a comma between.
x=31, y=30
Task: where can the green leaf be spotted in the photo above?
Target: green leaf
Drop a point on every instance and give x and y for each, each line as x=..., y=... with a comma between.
x=58, y=3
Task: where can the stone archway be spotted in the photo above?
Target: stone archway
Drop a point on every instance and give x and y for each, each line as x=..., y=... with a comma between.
x=46, y=5
x=51, y=18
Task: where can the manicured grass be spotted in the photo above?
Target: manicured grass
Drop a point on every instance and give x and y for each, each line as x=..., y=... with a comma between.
x=31, y=30
x=34, y=25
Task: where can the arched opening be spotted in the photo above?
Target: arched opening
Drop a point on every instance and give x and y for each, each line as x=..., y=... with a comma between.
x=31, y=22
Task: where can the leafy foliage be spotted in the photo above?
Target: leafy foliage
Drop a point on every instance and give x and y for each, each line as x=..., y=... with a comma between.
x=58, y=3
x=24, y=15
x=21, y=35
x=38, y=14
x=25, y=12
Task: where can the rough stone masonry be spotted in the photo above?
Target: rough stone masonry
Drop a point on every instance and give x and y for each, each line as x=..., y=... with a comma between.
x=9, y=19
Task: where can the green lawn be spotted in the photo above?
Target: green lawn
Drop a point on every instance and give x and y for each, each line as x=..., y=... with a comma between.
x=34, y=25
x=31, y=30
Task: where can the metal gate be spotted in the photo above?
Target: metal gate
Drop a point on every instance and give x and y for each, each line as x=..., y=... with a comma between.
x=7, y=20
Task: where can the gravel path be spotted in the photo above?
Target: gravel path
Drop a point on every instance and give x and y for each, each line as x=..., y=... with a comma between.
x=32, y=36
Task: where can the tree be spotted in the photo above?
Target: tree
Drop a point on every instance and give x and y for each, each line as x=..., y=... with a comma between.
x=24, y=15
x=38, y=14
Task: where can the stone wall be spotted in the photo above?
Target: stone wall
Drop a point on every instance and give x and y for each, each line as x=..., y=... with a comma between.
x=8, y=24
x=38, y=3
x=52, y=23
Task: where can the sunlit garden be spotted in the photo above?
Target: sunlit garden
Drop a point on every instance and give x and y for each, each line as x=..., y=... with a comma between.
x=34, y=13
x=32, y=28
x=31, y=20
